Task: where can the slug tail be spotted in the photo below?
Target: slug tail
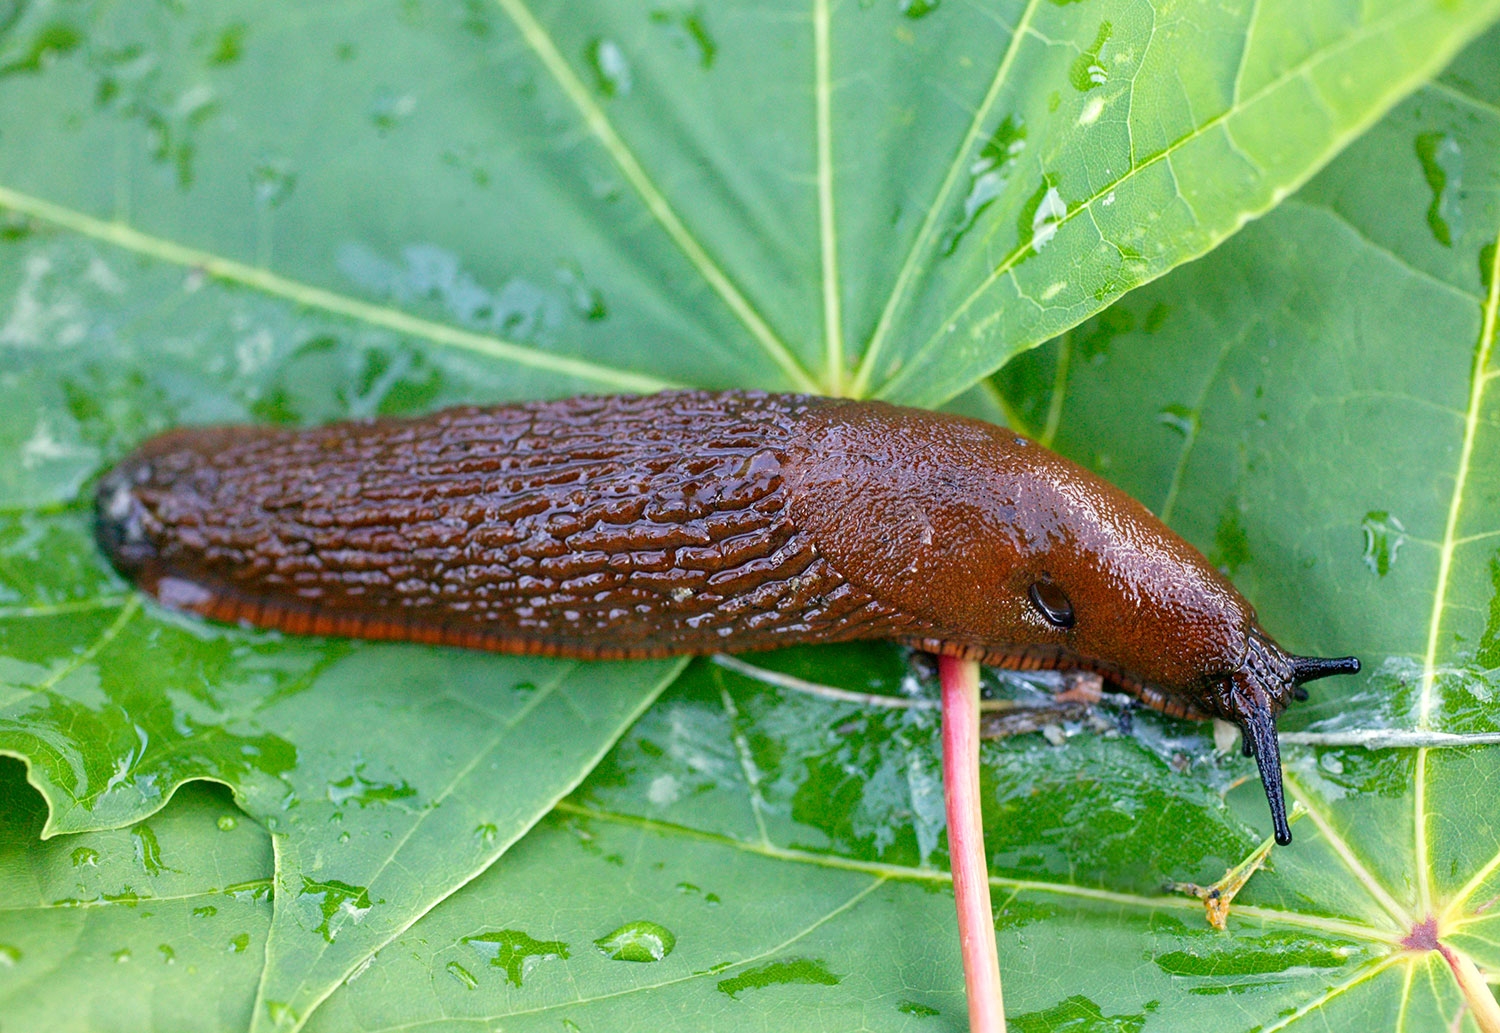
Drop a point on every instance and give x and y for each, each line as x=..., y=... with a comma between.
x=120, y=521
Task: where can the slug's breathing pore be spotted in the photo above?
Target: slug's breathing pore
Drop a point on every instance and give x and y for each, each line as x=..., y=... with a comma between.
x=699, y=522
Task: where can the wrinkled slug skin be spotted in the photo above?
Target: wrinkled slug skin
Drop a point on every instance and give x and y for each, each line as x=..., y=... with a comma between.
x=685, y=522
x=697, y=522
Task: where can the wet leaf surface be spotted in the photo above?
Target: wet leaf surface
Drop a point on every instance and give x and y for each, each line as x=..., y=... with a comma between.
x=214, y=213
x=97, y=932
x=1347, y=402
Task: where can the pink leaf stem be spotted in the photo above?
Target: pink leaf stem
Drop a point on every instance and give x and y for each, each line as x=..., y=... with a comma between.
x=967, y=857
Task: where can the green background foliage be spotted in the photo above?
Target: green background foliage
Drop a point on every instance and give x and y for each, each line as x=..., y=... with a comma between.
x=297, y=213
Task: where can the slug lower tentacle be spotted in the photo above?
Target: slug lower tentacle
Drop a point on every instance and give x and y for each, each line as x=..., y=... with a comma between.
x=697, y=522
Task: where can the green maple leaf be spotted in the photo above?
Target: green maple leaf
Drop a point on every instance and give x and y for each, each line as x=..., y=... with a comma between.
x=230, y=213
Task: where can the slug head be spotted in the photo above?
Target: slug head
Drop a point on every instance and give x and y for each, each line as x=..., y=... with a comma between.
x=1001, y=550
x=1127, y=597
x=1132, y=600
x=1259, y=690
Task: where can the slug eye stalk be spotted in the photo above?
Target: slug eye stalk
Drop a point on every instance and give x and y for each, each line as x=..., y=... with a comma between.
x=1311, y=668
x=1268, y=678
x=1260, y=742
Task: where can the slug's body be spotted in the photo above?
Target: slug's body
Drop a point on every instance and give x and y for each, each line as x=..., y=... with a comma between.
x=695, y=522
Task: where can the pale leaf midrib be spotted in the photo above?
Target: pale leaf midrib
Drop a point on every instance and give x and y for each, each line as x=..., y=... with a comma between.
x=922, y=241
x=1478, y=380
x=895, y=872
x=769, y=952
x=1357, y=869
x=1439, y=58
x=266, y=282
x=747, y=765
x=104, y=902
x=833, y=319
x=1466, y=98
x=1191, y=436
x=1406, y=267
x=106, y=636
x=623, y=722
x=1363, y=975
x=485, y=749
x=540, y=41
x=37, y=610
x=1450, y=918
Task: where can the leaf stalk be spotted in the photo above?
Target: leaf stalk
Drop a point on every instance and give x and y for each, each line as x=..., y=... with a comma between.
x=967, y=857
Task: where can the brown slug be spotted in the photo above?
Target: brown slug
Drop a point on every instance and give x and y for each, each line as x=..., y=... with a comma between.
x=698, y=522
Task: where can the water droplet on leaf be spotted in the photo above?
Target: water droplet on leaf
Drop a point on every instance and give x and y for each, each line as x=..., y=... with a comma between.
x=1442, y=167
x=15, y=226
x=1231, y=542
x=50, y=43
x=390, y=109
x=254, y=890
x=365, y=791
x=336, y=901
x=461, y=974
x=147, y=849
x=1384, y=535
x=516, y=952
x=611, y=71
x=641, y=941
x=689, y=32
x=990, y=172
x=273, y=181
x=587, y=301
x=775, y=973
x=1088, y=72
x=1180, y=418
x=230, y=45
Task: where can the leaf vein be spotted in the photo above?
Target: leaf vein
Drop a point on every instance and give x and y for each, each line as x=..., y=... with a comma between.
x=801, y=934
x=1297, y=72
x=1332, y=926
x=922, y=241
x=1362, y=875
x=541, y=43
x=127, y=237
x=1365, y=974
x=833, y=320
